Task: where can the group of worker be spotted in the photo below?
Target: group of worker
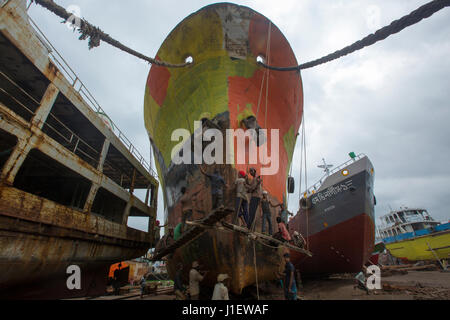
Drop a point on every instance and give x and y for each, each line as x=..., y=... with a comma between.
x=249, y=196
x=221, y=288
x=195, y=277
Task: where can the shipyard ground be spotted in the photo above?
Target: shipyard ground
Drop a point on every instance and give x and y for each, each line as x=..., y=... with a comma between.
x=415, y=285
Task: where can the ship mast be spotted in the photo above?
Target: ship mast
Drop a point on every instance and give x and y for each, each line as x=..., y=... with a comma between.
x=326, y=167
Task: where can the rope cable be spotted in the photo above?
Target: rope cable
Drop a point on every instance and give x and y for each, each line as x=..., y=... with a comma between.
x=396, y=26
x=95, y=34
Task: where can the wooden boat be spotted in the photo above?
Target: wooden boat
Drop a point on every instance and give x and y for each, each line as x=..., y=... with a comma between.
x=413, y=235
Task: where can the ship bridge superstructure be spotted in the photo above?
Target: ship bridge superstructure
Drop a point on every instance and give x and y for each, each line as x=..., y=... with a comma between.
x=405, y=221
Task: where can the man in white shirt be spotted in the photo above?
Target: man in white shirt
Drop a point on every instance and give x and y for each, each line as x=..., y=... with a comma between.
x=194, y=281
x=220, y=290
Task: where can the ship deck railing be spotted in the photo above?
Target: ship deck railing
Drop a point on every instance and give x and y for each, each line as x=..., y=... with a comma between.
x=63, y=134
x=79, y=86
x=319, y=183
x=418, y=233
x=411, y=219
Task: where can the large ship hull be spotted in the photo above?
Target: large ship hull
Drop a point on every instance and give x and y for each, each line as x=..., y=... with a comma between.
x=37, y=248
x=232, y=254
x=66, y=179
x=226, y=86
x=339, y=224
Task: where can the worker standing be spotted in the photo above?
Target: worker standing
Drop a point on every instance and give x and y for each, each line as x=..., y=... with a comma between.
x=241, y=199
x=220, y=289
x=284, y=214
x=290, y=287
x=255, y=190
x=217, y=184
x=266, y=213
x=143, y=285
x=195, y=277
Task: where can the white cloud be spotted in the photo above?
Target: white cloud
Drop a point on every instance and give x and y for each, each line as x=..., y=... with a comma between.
x=389, y=101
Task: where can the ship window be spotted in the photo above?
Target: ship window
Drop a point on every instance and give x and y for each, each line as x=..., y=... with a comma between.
x=22, y=84
x=189, y=59
x=69, y=127
x=47, y=178
x=418, y=226
x=118, y=168
x=109, y=206
x=261, y=59
x=7, y=144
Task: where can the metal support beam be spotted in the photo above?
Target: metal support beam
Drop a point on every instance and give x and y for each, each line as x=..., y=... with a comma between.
x=24, y=146
x=91, y=197
x=96, y=186
x=103, y=155
x=127, y=210
x=45, y=107
x=133, y=180
x=15, y=161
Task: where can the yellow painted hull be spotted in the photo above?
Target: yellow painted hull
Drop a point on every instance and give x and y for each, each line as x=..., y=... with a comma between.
x=417, y=249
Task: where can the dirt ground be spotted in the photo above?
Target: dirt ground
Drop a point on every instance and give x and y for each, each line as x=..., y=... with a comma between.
x=415, y=285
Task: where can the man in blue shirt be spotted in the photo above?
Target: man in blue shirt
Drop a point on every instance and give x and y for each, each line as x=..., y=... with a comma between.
x=290, y=287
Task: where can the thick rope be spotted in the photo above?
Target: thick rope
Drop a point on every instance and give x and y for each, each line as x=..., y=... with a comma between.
x=396, y=26
x=96, y=35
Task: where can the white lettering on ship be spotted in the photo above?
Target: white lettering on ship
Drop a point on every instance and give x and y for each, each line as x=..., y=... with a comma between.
x=331, y=191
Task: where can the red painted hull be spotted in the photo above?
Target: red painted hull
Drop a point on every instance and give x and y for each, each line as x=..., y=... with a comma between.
x=343, y=248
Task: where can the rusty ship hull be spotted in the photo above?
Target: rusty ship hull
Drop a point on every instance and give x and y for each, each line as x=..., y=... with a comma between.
x=67, y=180
x=225, y=86
x=36, y=250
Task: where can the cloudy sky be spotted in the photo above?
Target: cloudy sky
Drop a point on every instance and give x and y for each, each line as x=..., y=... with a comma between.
x=390, y=101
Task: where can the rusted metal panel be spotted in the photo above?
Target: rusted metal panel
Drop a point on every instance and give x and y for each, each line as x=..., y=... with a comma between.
x=15, y=26
x=45, y=107
x=21, y=205
x=38, y=234
x=50, y=147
